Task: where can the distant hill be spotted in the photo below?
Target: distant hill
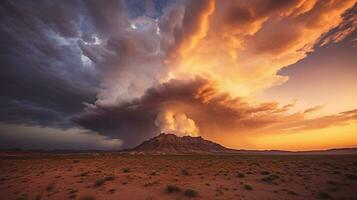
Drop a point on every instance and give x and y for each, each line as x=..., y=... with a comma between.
x=172, y=144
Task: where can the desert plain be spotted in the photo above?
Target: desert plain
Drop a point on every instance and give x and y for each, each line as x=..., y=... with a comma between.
x=150, y=177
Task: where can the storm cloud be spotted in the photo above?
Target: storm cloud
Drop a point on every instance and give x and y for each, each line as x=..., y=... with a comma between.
x=120, y=72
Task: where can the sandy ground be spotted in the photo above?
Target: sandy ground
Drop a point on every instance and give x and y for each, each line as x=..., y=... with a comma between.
x=114, y=176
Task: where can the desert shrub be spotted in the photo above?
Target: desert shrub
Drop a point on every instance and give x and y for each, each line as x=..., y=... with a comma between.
x=84, y=174
x=240, y=175
x=191, y=193
x=99, y=182
x=332, y=182
x=172, y=188
x=185, y=172
x=270, y=178
x=324, y=195
x=248, y=187
x=352, y=176
x=125, y=170
x=50, y=187
x=292, y=193
x=264, y=173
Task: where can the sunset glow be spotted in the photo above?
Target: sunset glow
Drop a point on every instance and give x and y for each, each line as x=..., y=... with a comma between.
x=246, y=74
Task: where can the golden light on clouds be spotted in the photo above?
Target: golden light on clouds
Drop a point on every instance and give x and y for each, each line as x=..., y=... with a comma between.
x=246, y=43
x=332, y=137
x=243, y=73
x=217, y=58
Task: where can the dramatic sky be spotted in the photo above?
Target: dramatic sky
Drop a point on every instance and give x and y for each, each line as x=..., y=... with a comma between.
x=257, y=74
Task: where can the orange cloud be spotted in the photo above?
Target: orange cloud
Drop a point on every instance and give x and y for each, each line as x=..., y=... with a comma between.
x=244, y=44
x=215, y=57
x=196, y=106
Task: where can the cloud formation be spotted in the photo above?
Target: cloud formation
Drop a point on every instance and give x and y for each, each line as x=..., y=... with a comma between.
x=36, y=137
x=248, y=42
x=176, y=122
x=43, y=79
x=196, y=105
x=128, y=71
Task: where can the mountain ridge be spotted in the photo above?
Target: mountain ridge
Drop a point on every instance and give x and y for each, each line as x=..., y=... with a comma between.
x=167, y=143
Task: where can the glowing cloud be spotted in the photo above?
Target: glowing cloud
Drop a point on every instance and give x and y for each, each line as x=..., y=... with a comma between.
x=202, y=63
x=177, y=123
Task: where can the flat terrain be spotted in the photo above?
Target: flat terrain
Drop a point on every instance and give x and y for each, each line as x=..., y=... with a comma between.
x=115, y=176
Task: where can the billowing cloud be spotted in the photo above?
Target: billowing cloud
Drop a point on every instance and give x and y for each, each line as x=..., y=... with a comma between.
x=196, y=105
x=176, y=122
x=191, y=67
x=237, y=48
x=248, y=42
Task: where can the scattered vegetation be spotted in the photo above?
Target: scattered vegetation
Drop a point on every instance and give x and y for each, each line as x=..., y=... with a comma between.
x=248, y=187
x=332, y=182
x=72, y=193
x=185, y=172
x=191, y=193
x=240, y=175
x=172, y=189
x=352, y=176
x=125, y=170
x=84, y=174
x=99, y=182
x=324, y=195
x=292, y=193
x=50, y=187
x=264, y=173
x=270, y=178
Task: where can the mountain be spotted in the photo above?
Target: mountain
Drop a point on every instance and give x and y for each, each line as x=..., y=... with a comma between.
x=172, y=144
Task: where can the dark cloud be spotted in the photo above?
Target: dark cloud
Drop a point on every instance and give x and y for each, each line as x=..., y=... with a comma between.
x=134, y=121
x=42, y=79
x=57, y=55
x=35, y=137
x=107, y=17
x=114, y=58
x=212, y=111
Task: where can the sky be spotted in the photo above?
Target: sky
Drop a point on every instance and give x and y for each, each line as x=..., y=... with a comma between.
x=259, y=74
